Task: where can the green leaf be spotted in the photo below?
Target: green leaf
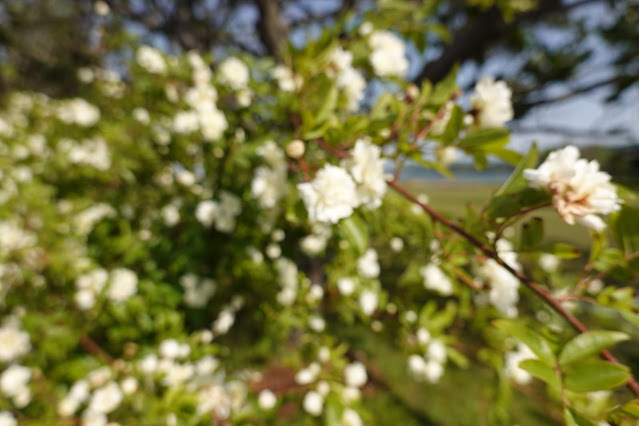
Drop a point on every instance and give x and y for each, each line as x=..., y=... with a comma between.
x=596, y=375
x=569, y=420
x=574, y=418
x=516, y=180
x=534, y=341
x=443, y=91
x=509, y=204
x=507, y=155
x=438, y=167
x=542, y=371
x=562, y=250
x=588, y=344
x=453, y=125
x=486, y=139
x=329, y=105
x=624, y=225
x=532, y=233
x=355, y=232
x=630, y=408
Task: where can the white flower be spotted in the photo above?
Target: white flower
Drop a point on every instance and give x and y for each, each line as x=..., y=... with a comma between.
x=185, y=122
x=367, y=264
x=388, y=57
x=436, y=351
x=170, y=215
x=105, y=399
x=234, y=73
x=266, y=399
x=286, y=80
x=307, y=375
x=78, y=111
x=213, y=124
x=353, y=84
x=124, y=284
x=224, y=322
x=129, y=385
x=513, y=359
x=580, y=191
x=313, y=403
x=91, y=152
x=549, y=262
x=351, y=418
x=99, y=376
x=317, y=323
x=433, y=371
x=355, y=375
x=396, y=244
x=368, y=301
x=367, y=169
x=206, y=212
x=14, y=380
x=416, y=365
x=84, y=299
x=346, y=286
x=151, y=60
x=491, y=103
x=331, y=196
x=141, y=115
x=436, y=280
x=504, y=287
x=7, y=419
x=13, y=342
x=423, y=336
x=269, y=186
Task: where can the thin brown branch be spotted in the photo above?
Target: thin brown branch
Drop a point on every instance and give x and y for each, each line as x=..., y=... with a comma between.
x=532, y=285
x=94, y=349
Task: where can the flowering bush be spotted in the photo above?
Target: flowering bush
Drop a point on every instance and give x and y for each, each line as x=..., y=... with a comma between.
x=173, y=240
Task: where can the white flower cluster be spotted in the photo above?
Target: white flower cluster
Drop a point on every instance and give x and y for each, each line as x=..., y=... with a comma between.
x=222, y=214
x=88, y=218
x=101, y=394
x=287, y=275
x=316, y=241
x=435, y=279
x=580, y=191
x=14, y=385
x=202, y=97
x=14, y=343
x=78, y=111
x=348, y=78
x=234, y=73
x=150, y=59
x=504, y=286
x=269, y=183
x=430, y=366
x=13, y=237
x=90, y=152
x=388, y=56
x=368, y=265
x=286, y=80
x=355, y=377
x=197, y=291
x=123, y=284
x=203, y=377
x=491, y=103
x=335, y=192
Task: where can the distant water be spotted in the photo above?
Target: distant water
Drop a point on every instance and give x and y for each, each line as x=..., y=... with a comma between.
x=414, y=171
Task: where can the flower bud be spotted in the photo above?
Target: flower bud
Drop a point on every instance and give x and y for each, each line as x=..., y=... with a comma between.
x=412, y=92
x=295, y=149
